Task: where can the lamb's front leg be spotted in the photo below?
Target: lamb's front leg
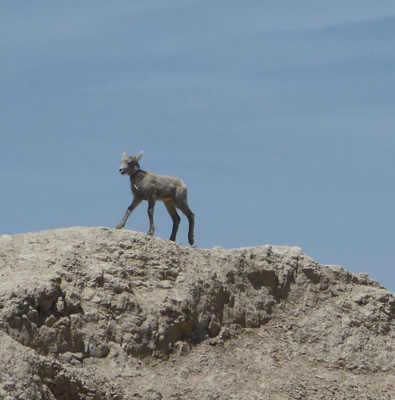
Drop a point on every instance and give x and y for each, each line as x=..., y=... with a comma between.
x=151, y=205
x=135, y=203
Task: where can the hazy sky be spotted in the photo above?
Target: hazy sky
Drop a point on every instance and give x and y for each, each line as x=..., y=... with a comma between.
x=279, y=116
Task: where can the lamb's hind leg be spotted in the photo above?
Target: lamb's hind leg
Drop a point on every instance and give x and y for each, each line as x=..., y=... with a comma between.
x=171, y=208
x=191, y=218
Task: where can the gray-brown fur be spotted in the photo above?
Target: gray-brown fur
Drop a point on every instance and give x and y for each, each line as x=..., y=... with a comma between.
x=152, y=187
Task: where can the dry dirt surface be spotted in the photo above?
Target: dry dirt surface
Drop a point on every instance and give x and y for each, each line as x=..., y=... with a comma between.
x=96, y=313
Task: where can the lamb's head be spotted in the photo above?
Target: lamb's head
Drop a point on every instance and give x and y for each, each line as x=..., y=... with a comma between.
x=130, y=164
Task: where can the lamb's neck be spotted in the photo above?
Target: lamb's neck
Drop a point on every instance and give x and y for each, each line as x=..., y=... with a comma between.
x=138, y=176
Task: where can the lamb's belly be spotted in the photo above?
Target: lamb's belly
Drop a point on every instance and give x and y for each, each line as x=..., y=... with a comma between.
x=165, y=198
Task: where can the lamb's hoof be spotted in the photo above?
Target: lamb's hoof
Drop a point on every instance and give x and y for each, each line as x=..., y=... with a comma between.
x=119, y=227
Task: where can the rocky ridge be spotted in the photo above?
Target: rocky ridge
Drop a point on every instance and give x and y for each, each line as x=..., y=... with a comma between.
x=96, y=313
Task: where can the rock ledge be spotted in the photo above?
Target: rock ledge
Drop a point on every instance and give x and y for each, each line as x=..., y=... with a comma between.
x=96, y=313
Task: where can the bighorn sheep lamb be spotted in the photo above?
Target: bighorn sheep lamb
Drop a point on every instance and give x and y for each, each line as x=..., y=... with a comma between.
x=151, y=187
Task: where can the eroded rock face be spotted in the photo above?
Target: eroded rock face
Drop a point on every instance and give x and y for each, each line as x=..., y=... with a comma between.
x=91, y=313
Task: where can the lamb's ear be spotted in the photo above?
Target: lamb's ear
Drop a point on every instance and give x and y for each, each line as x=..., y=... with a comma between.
x=140, y=155
x=124, y=154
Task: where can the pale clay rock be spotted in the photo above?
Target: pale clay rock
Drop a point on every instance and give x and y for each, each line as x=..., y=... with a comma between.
x=97, y=313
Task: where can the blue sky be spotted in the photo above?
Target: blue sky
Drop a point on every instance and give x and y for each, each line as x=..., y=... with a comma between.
x=279, y=116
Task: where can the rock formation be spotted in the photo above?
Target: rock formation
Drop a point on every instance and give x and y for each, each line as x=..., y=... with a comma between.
x=96, y=313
